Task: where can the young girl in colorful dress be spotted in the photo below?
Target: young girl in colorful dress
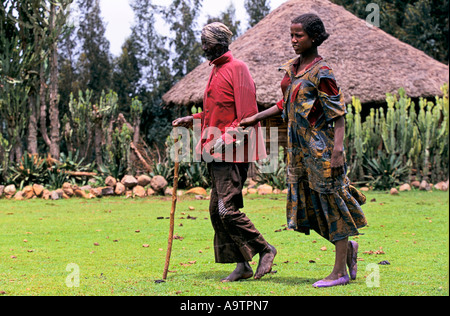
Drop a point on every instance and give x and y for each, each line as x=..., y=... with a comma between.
x=320, y=196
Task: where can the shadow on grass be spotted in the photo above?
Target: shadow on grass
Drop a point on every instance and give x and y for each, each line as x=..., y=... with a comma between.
x=268, y=278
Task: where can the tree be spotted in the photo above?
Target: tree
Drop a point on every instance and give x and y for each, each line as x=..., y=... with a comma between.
x=29, y=36
x=16, y=62
x=94, y=63
x=55, y=29
x=149, y=46
x=29, y=32
x=257, y=10
x=153, y=61
x=68, y=78
x=181, y=16
x=426, y=27
x=13, y=92
x=229, y=19
x=126, y=75
x=423, y=24
x=52, y=19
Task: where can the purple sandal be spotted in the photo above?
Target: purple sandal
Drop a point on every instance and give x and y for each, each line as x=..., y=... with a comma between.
x=329, y=283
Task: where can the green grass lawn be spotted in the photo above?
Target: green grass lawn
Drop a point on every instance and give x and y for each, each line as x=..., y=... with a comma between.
x=44, y=243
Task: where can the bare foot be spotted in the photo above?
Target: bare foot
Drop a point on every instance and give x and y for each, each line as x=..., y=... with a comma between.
x=334, y=276
x=243, y=271
x=265, y=262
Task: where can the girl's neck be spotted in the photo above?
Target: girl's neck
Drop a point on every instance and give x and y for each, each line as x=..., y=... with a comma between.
x=306, y=58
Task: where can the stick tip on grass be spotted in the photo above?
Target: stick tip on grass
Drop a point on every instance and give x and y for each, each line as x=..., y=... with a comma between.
x=160, y=281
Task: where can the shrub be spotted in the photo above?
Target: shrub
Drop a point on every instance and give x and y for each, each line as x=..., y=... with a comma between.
x=277, y=178
x=31, y=169
x=386, y=171
x=418, y=136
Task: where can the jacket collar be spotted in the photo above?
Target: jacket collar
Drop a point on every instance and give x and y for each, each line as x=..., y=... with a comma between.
x=225, y=58
x=292, y=64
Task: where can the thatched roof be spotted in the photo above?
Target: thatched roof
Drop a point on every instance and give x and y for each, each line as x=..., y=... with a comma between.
x=367, y=62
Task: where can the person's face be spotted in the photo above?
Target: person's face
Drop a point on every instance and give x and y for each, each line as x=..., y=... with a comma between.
x=300, y=40
x=210, y=50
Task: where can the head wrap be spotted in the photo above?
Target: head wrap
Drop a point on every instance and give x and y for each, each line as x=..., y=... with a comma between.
x=217, y=33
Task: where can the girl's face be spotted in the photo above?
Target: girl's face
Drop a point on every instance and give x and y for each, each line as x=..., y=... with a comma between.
x=300, y=40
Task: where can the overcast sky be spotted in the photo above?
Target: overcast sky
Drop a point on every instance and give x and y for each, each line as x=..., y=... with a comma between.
x=119, y=17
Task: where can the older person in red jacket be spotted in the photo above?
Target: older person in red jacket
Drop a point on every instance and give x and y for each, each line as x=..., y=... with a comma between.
x=230, y=96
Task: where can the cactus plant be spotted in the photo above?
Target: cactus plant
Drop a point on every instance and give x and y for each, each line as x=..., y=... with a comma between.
x=80, y=118
x=418, y=139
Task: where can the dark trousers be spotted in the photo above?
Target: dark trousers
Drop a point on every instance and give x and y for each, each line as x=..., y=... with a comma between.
x=236, y=238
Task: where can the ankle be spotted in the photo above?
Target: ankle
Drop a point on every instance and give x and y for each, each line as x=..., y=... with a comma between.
x=337, y=275
x=268, y=249
x=243, y=266
x=341, y=274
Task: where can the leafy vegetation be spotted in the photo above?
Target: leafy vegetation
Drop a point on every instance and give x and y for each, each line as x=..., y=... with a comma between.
x=405, y=134
x=420, y=23
x=191, y=174
x=35, y=169
x=57, y=83
x=277, y=178
x=30, y=169
x=386, y=172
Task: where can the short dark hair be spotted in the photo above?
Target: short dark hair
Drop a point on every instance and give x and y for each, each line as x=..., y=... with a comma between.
x=313, y=26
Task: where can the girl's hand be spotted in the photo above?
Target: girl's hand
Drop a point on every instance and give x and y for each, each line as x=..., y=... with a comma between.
x=337, y=162
x=183, y=121
x=255, y=119
x=337, y=157
x=249, y=121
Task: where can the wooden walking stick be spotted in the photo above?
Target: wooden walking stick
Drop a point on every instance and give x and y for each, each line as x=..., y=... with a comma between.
x=172, y=212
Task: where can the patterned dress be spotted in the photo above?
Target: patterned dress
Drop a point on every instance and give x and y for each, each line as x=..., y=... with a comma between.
x=316, y=199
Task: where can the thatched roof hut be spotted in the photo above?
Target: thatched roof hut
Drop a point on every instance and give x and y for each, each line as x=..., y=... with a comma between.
x=367, y=62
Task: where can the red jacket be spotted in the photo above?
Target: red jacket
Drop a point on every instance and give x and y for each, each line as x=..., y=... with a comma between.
x=230, y=96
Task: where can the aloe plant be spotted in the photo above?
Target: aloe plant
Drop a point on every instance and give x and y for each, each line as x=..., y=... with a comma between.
x=276, y=179
x=29, y=170
x=386, y=171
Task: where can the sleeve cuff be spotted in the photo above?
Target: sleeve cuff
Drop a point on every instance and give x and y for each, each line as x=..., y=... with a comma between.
x=198, y=116
x=280, y=105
